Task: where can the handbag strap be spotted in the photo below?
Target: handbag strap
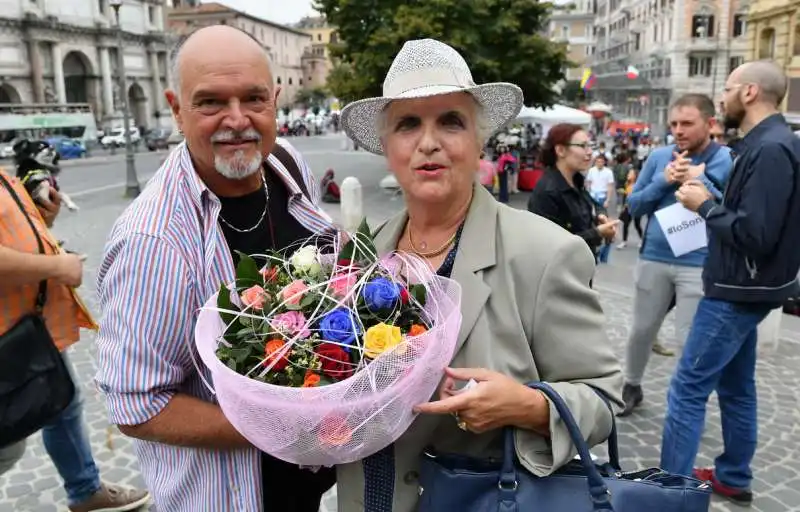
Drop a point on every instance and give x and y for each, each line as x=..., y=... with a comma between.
x=597, y=487
x=41, y=295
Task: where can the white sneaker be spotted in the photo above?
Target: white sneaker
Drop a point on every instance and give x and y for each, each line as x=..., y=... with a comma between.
x=622, y=245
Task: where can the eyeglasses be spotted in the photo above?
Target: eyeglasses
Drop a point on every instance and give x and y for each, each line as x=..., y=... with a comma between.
x=584, y=145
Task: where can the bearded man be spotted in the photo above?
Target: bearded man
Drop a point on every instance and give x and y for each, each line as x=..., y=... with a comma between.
x=231, y=187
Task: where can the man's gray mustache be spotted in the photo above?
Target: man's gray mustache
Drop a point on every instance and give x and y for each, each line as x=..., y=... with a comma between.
x=229, y=135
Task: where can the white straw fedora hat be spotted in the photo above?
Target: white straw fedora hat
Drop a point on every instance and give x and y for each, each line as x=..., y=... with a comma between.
x=426, y=67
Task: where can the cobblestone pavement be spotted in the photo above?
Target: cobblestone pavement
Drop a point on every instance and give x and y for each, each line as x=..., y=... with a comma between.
x=34, y=486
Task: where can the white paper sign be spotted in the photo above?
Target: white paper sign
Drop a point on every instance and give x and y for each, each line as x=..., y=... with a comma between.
x=685, y=230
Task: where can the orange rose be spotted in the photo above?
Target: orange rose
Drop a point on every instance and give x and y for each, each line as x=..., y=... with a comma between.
x=311, y=380
x=272, y=351
x=417, y=329
x=335, y=432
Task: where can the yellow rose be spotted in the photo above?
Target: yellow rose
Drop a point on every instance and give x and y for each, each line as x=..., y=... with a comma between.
x=380, y=338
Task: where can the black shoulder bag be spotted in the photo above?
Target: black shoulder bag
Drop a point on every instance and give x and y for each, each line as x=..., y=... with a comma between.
x=35, y=385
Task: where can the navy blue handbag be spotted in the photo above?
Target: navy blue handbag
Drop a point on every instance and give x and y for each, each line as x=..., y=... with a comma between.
x=464, y=484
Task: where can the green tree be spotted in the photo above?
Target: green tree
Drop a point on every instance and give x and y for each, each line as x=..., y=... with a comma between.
x=311, y=98
x=572, y=92
x=502, y=40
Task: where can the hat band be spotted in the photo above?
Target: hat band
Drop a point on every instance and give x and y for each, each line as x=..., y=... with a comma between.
x=420, y=78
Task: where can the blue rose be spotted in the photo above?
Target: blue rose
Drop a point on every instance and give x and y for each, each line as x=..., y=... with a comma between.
x=381, y=294
x=339, y=326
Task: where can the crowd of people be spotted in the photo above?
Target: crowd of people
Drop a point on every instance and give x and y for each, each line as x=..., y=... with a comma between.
x=234, y=188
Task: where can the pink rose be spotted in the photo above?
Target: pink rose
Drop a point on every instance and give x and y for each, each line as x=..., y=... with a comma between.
x=254, y=297
x=341, y=284
x=292, y=323
x=294, y=292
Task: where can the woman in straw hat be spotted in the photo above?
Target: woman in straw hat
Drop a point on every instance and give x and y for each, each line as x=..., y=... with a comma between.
x=528, y=312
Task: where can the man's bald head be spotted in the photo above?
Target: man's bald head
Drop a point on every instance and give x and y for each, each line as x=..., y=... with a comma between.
x=769, y=78
x=213, y=41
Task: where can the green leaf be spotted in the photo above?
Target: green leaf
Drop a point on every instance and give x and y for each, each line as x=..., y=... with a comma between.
x=293, y=307
x=240, y=355
x=229, y=319
x=419, y=292
x=324, y=380
x=232, y=365
x=308, y=300
x=247, y=271
x=363, y=229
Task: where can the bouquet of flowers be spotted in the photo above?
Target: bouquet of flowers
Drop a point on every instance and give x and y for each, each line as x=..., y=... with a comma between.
x=319, y=357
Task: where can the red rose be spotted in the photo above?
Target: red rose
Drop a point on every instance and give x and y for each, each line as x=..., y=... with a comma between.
x=335, y=361
x=404, y=296
x=344, y=262
x=270, y=274
x=272, y=352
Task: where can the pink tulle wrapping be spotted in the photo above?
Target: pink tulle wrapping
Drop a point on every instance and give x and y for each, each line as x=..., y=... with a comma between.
x=346, y=421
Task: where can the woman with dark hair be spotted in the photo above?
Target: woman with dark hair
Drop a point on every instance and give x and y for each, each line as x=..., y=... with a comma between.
x=560, y=195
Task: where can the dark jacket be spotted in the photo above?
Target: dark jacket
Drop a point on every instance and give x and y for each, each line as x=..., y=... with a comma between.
x=570, y=207
x=753, y=252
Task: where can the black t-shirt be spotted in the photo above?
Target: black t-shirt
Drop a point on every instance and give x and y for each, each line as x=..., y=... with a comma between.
x=286, y=487
x=244, y=211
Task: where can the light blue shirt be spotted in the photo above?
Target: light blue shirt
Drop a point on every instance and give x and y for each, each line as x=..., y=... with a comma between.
x=652, y=192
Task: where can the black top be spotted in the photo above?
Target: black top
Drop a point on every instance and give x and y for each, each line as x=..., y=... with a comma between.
x=285, y=486
x=244, y=211
x=570, y=207
x=753, y=234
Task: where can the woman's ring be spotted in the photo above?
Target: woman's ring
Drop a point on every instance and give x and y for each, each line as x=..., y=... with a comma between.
x=461, y=423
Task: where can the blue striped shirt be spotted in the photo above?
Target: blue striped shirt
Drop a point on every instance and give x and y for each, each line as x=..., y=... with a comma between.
x=165, y=256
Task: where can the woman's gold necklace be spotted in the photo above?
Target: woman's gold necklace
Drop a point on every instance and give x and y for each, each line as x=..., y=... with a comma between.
x=430, y=254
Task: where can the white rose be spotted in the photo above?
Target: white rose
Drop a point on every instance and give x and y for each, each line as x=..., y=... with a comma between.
x=306, y=260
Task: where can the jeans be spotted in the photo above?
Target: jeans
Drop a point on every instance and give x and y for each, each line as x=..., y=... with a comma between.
x=599, y=199
x=720, y=355
x=502, y=179
x=67, y=443
x=657, y=285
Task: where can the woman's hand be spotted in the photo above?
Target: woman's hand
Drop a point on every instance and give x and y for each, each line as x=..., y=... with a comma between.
x=496, y=401
x=608, y=229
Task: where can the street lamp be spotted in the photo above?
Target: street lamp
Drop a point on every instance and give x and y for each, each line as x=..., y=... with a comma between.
x=132, y=188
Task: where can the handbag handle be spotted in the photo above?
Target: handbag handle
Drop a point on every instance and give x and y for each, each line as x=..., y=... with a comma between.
x=597, y=488
x=41, y=296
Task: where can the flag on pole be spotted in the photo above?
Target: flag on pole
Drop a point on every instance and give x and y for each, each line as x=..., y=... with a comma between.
x=588, y=79
x=632, y=73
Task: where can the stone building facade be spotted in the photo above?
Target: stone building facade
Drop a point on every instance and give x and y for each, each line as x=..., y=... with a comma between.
x=774, y=34
x=317, y=57
x=65, y=51
x=285, y=45
x=573, y=24
x=678, y=46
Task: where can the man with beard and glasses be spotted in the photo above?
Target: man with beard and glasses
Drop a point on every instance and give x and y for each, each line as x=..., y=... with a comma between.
x=751, y=269
x=660, y=275
x=231, y=187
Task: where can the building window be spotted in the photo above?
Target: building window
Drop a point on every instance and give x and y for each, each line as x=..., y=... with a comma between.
x=278, y=81
x=796, y=40
x=565, y=31
x=101, y=5
x=319, y=37
x=300, y=81
x=739, y=25
x=700, y=66
x=766, y=44
x=703, y=25
x=655, y=33
x=734, y=63
x=151, y=15
x=588, y=32
x=290, y=80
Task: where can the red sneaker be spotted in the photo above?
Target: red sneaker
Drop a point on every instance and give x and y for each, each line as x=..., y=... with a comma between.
x=740, y=497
